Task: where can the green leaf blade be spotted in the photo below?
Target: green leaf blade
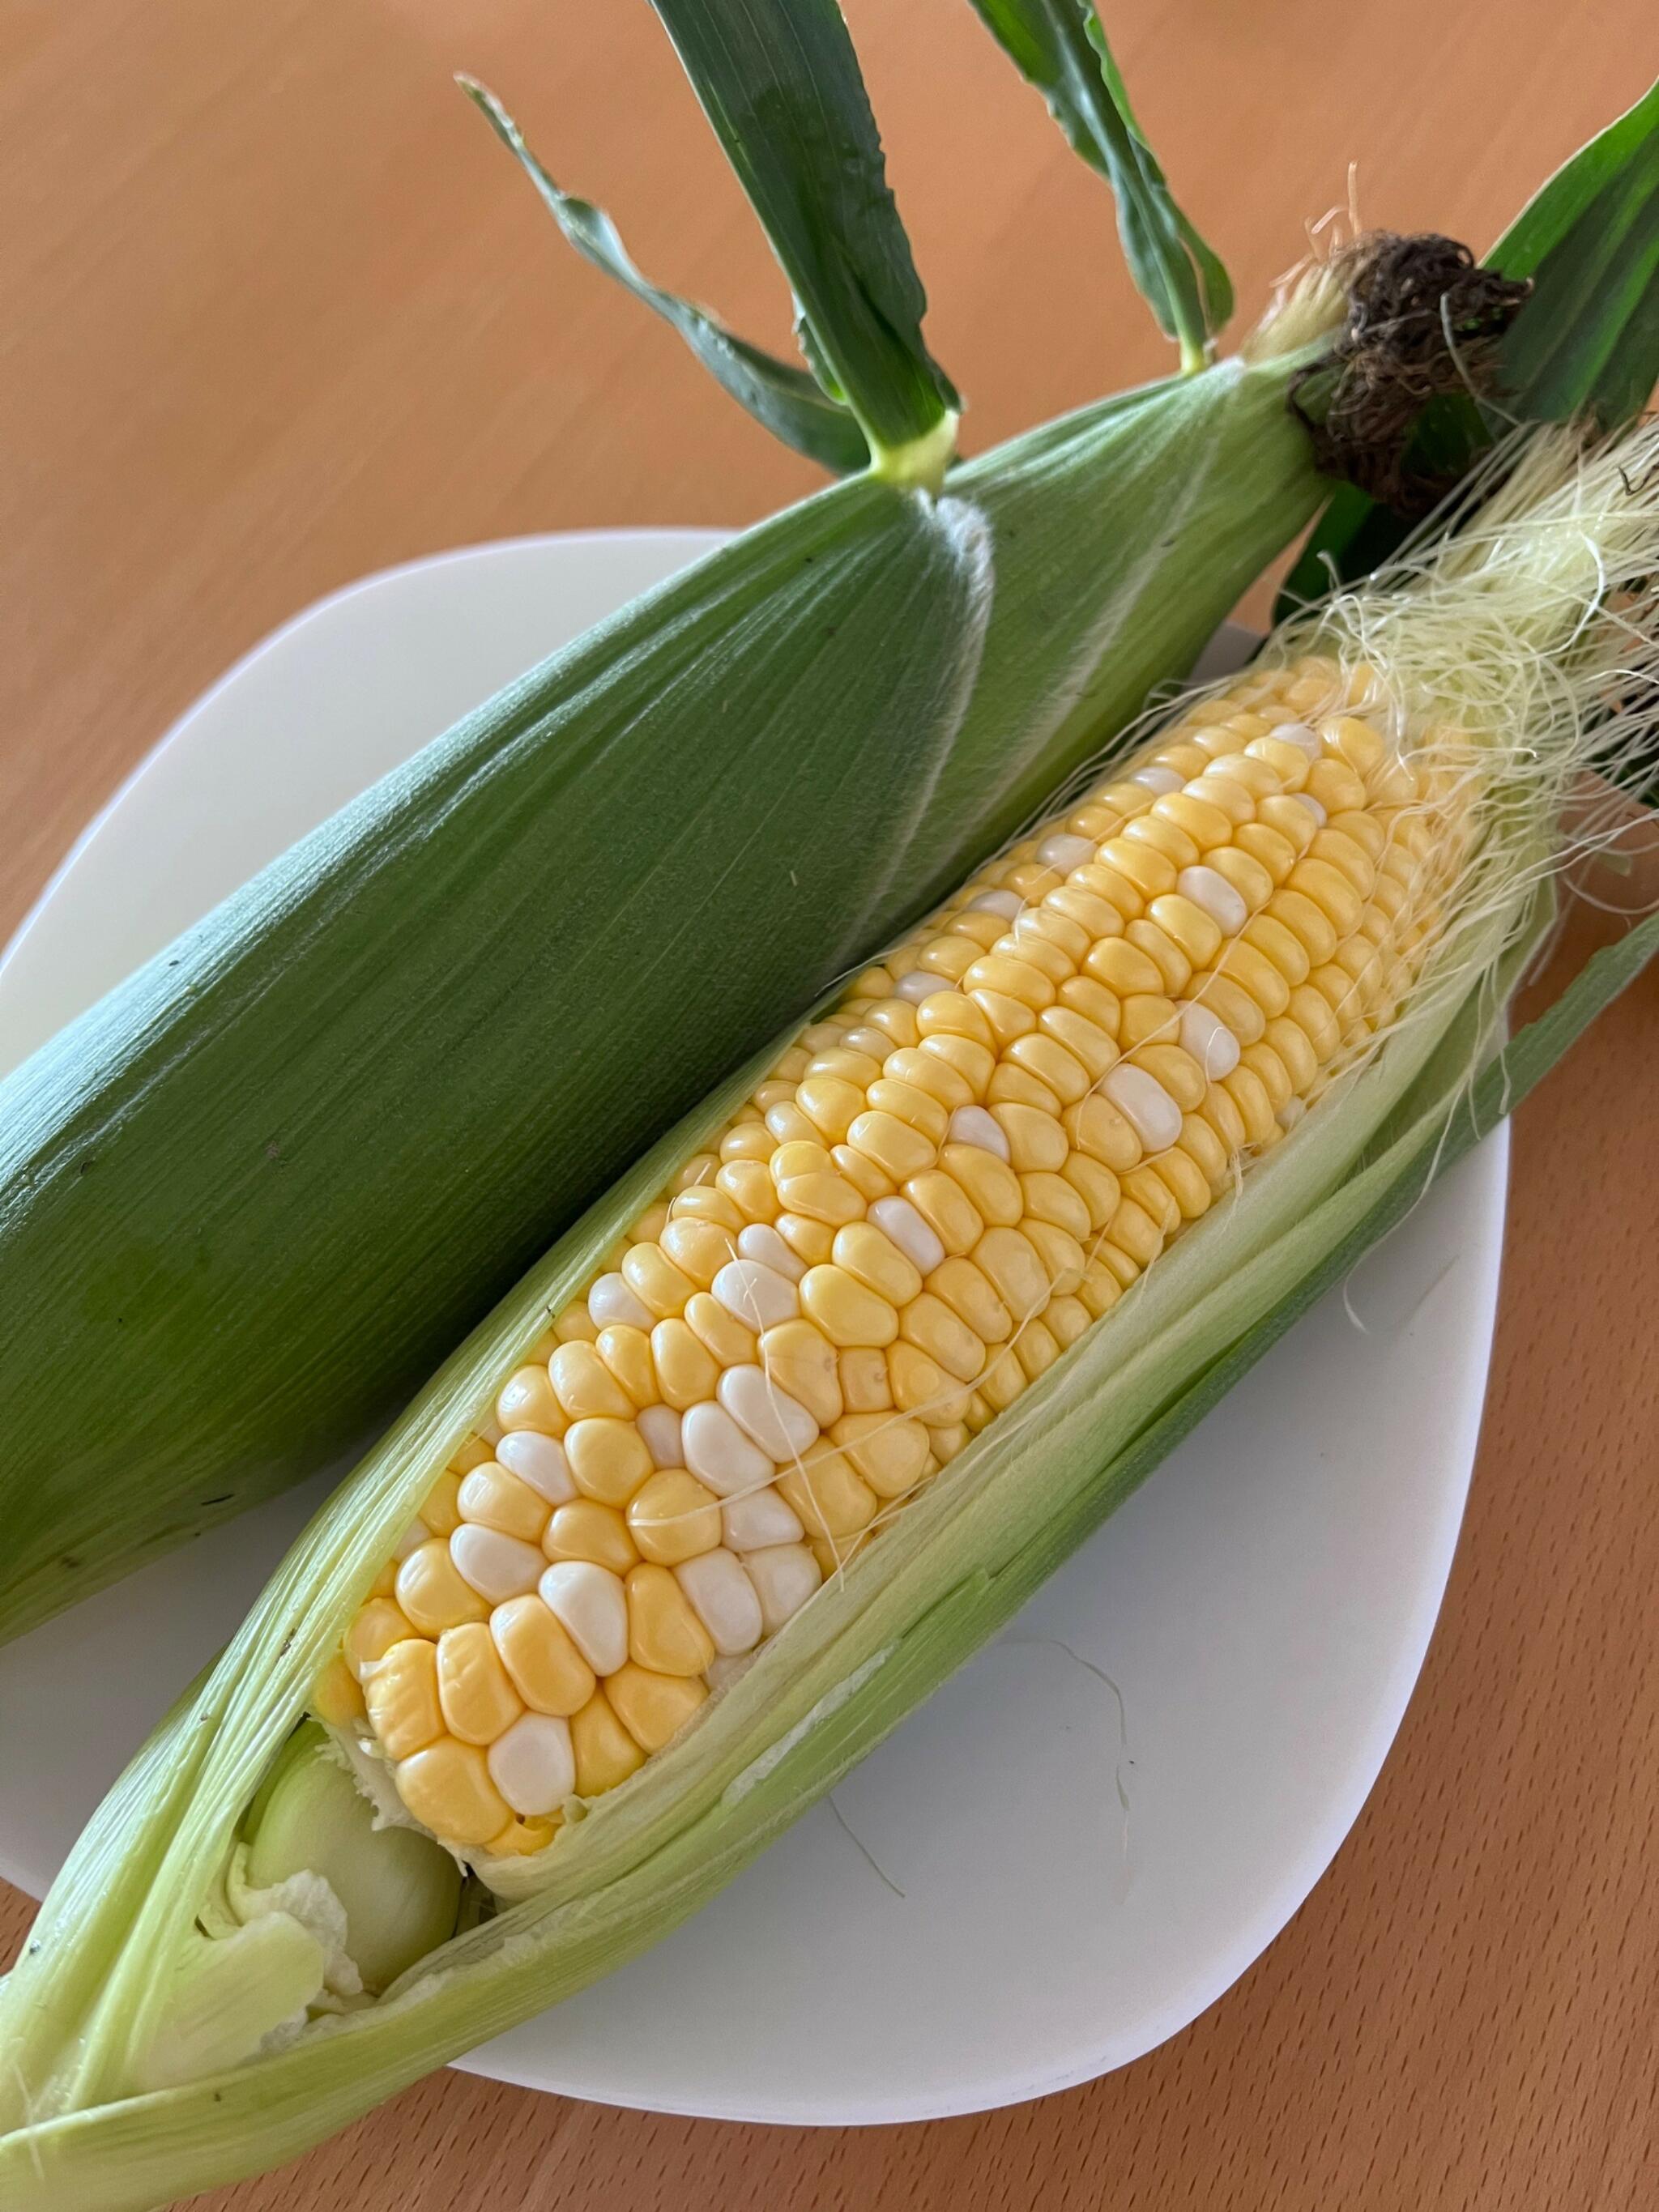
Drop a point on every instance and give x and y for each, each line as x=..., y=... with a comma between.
x=781, y=398
x=780, y=85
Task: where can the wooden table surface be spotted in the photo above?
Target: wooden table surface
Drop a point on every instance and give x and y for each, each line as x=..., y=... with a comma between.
x=277, y=311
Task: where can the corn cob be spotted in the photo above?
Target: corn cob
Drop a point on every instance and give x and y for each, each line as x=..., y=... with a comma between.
x=938, y=1187
x=194, y=2002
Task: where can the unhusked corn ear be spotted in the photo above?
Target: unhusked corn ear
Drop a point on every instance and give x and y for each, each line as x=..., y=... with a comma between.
x=938, y=1188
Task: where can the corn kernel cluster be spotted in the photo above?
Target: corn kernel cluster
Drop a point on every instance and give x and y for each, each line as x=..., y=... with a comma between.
x=936, y=1191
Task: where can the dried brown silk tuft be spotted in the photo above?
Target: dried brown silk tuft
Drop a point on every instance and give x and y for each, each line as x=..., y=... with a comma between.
x=1424, y=319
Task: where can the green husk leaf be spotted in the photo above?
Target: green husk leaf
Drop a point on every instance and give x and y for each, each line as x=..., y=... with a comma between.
x=250, y=1201
x=779, y=82
x=781, y=398
x=1060, y=47
x=1586, y=342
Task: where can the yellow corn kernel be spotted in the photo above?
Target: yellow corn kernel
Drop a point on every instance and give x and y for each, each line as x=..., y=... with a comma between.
x=1177, y=1070
x=909, y=1102
x=1087, y=1043
x=1122, y=968
x=1049, y=1197
x=720, y=1333
x=1281, y=946
x=1146, y=1189
x=831, y=1497
x=1197, y=933
x=929, y=1324
x=1045, y=1055
x=970, y=1295
x=525, y=1401
x=1189, y=1186
x=1095, y=1127
x=1014, y=1086
x=606, y=1754
x=652, y=1707
x=896, y=1149
x=846, y=1312
x=626, y=1352
x=1008, y=1018
x=686, y=1370
x=608, y=1459
x=542, y=1663
x=863, y=1374
x=1004, y=1380
x=857, y=1067
x=1101, y=1287
x=1200, y=819
x=1290, y=1041
x=431, y=1592
x=335, y=1695
x=477, y=1699
x=473, y=1453
x=966, y=1057
x=655, y=1280
x=1207, y=1150
x=919, y=1385
x=448, y=1790
x=699, y=1249
x=585, y=1385
x=1134, y=1231
x=811, y=1242
x=585, y=1529
x=705, y=1203
x=1140, y=857
x=823, y=1195
x=749, y=1185
x=1036, y=1349
x=1230, y=1002
x=1096, y=1186
x=944, y=1205
x=1173, y=968
x=1244, y=1087
x=1036, y=1141
x=949, y=957
x=1346, y=855
x=1330, y=891
x=496, y=1500
x=746, y=1141
x=1268, y=847
x=523, y=1838
x=930, y=1071
x=952, y=1013
x=384, y=1584
x=1061, y=1254
x=874, y=1260
x=1008, y=1261
x=802, y=1362
x=376, y=1626
x=887, y=1449
x=1067, y=1319
x=672, y=1517
x=1149, y=1017
x=990, y=1185
x=664, y=1633
x=870, y=1182
x=830, y=1104
x=1335, y=785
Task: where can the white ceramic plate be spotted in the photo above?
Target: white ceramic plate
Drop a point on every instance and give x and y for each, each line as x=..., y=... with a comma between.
x=1093, y=1831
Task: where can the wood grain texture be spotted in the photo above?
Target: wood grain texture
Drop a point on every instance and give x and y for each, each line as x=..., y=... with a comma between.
x=278, y=312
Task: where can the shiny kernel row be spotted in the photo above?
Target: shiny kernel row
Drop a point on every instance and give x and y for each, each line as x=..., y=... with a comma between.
x=935, y=1192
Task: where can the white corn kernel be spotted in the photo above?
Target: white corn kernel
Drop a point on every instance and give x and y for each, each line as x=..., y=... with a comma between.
x=784, y=1576
x=1009, y=904
x=723, y=1598
x=972, y=1125
x=1163, y=781
x=1299, y=735
x=612, y=1304
x=779, y=1424
x=660, y=1427
x=498, y=1567
x=1214, y=895
x=718, y=1452
x=540, y=1461
x=921, y=984
x=1064, y=852
x=1209, y=1041
x=898, y=1220
x=758, y=1242
x=532, y=1764
x=1143, y=1102
x=592, y=1604
x=759, y=1518
x=1306, y=798
x=758, y=1295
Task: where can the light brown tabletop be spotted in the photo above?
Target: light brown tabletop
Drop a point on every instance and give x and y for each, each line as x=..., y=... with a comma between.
x=277, y=311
